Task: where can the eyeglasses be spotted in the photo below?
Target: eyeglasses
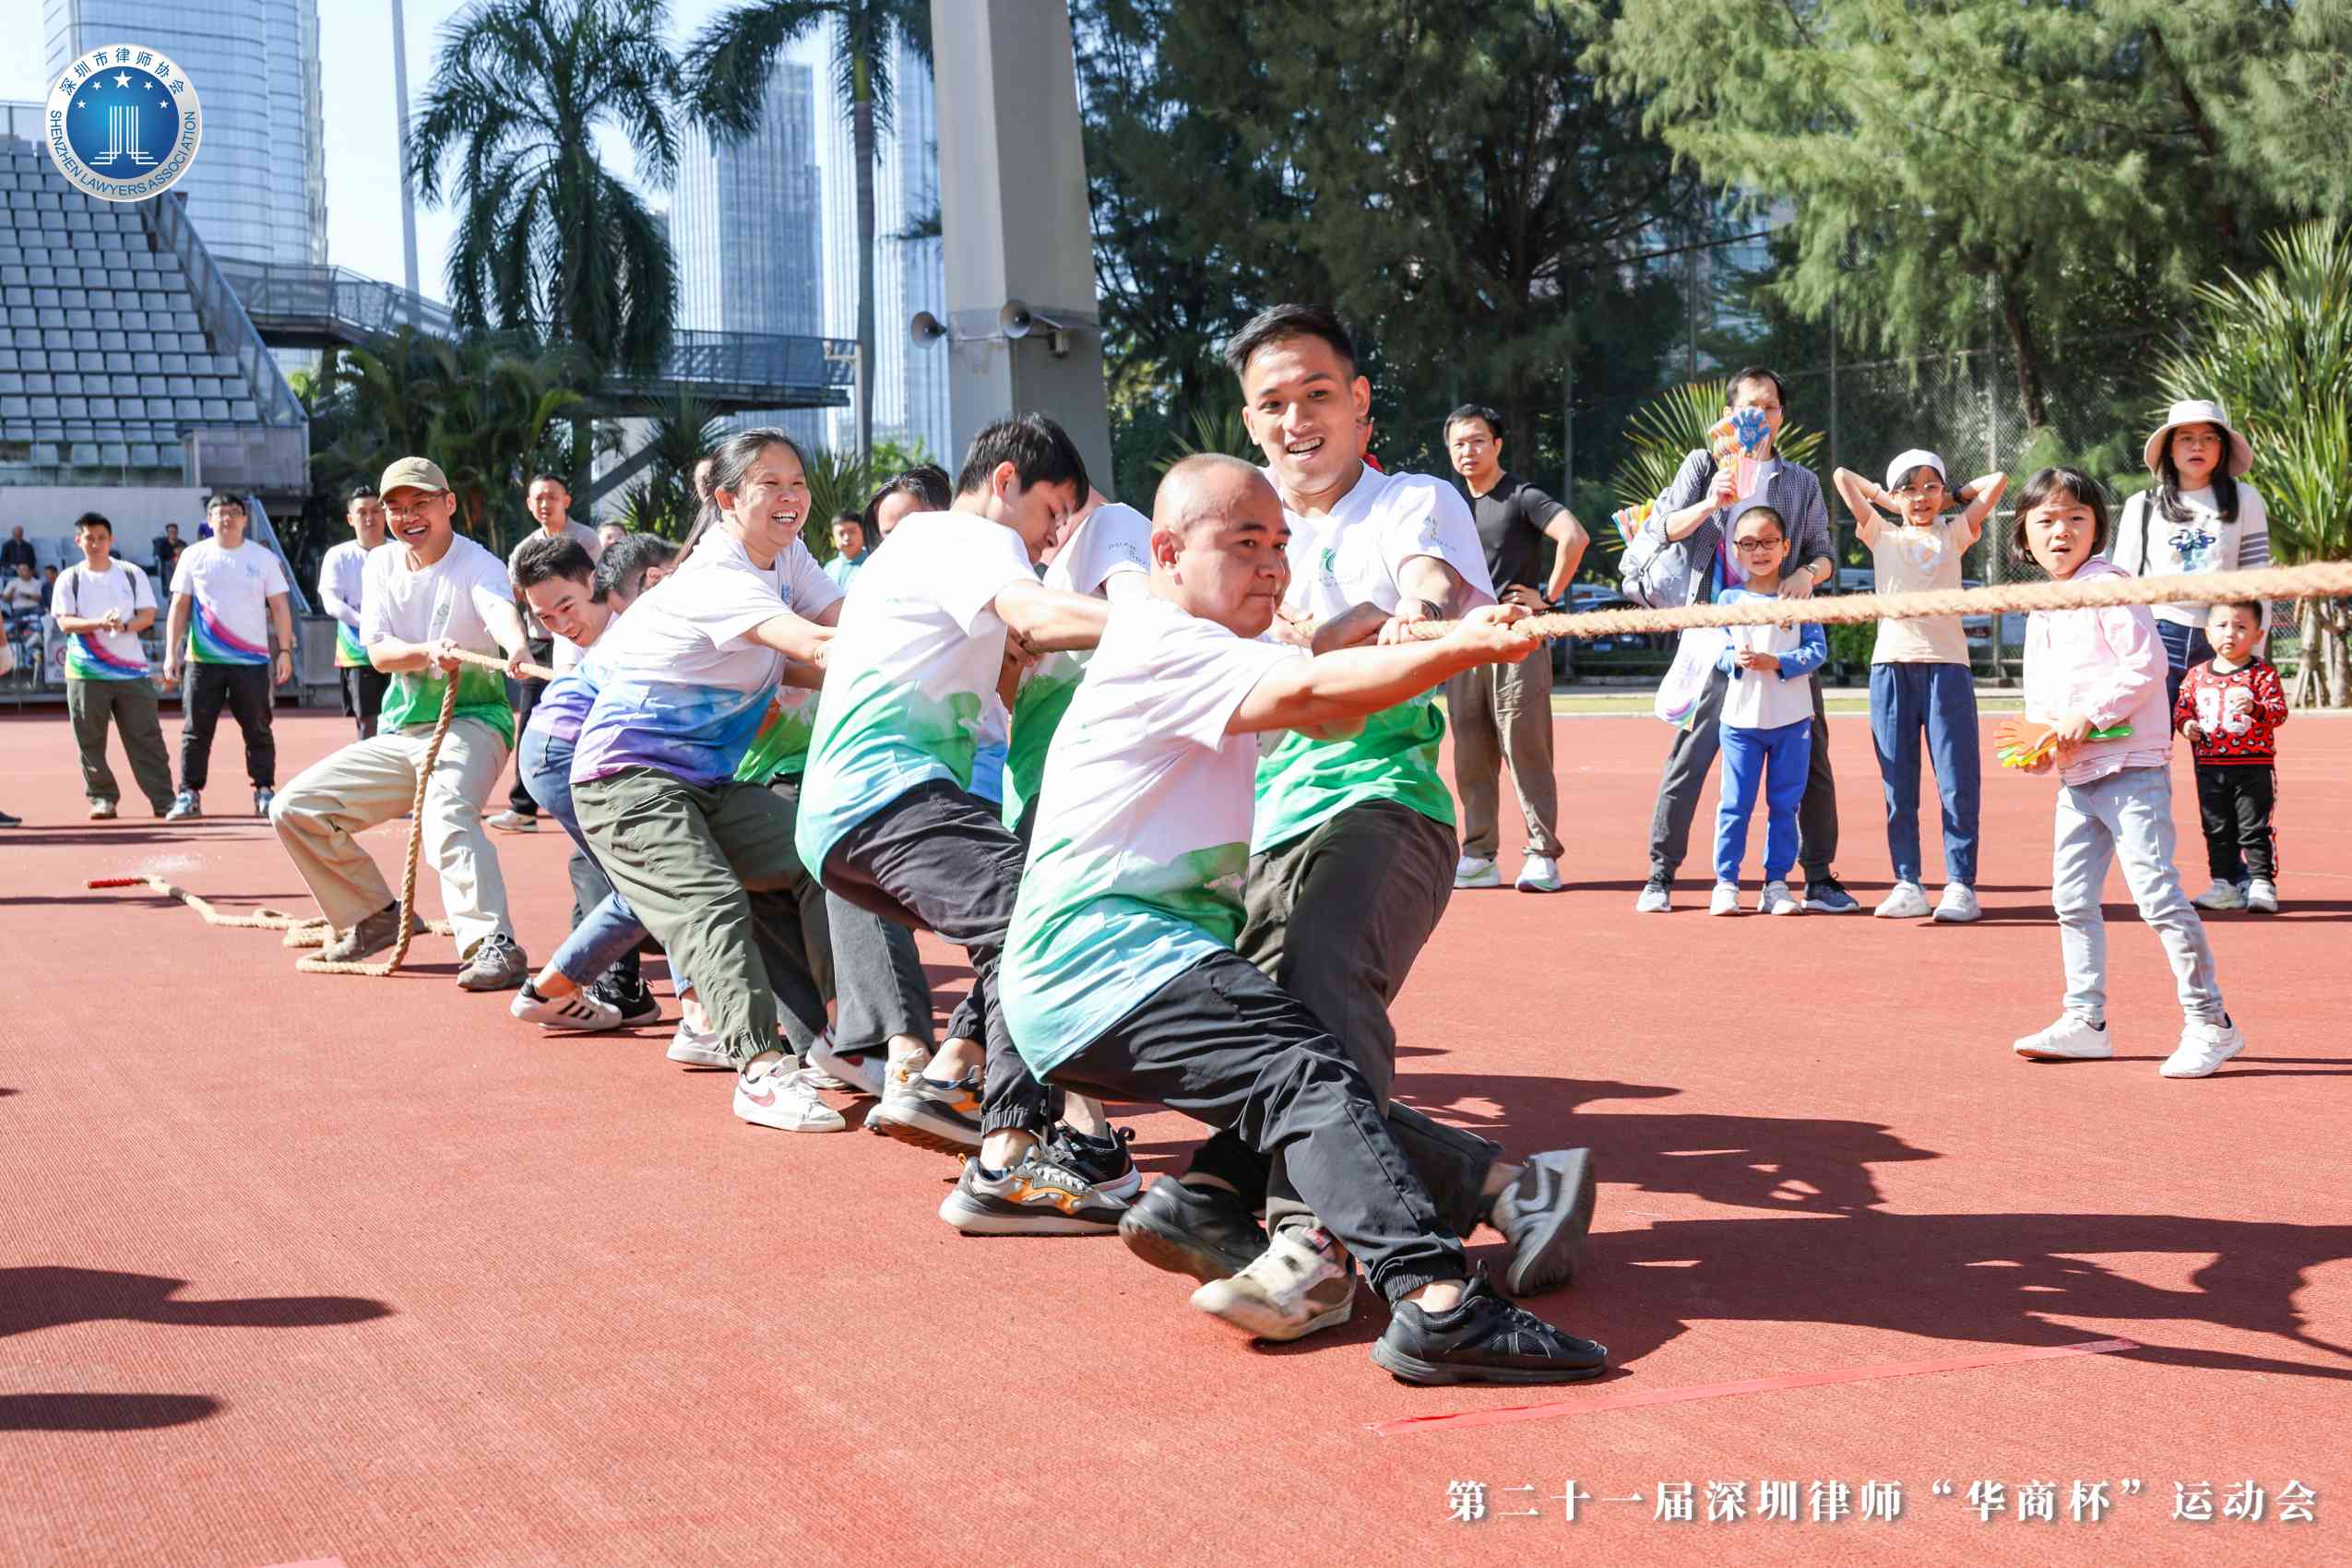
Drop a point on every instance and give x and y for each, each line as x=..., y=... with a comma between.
x=1929, y=488
x=1755, y=546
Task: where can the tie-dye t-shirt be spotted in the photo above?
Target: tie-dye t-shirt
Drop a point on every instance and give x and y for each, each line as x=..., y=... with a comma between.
x=104, y=656
x=780, y=749
x=341, y=589
x=908, y=681
x=1351, y=555
x=228, y=620
x=1113, y=539
x=453, y=598
x=1143, y=832
x=682, y=687
x=564, y=707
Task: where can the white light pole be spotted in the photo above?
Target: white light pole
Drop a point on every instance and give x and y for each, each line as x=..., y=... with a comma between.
x=408, y=197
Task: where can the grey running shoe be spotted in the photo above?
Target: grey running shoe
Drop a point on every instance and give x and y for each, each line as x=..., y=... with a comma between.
x=262, y=799
x=1037, y=1197
x=1546, y=1214
x=1302, y=1282
x=495, y=964
x=372, y=934
x=930, y=1114
x=1483, y=1339
x=186, y=803
x=1206, y=1232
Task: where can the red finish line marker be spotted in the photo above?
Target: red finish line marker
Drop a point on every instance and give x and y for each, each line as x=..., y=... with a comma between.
x=1754, y=1386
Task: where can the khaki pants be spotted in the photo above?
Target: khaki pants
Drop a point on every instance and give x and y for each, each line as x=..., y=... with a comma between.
x=1501, y=713
x=131, y=704
x=372, y=782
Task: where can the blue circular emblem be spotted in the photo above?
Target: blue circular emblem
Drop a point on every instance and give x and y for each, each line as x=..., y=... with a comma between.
x=122, y=123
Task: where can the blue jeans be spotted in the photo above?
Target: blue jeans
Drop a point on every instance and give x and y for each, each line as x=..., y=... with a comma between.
x=1941, y=699
x=2183, y=646
x=2126, y=817
x=609, y=930
x=1772, y=764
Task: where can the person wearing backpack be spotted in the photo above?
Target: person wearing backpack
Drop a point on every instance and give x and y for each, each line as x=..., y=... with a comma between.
x=2199, y=517
x=1677, y=557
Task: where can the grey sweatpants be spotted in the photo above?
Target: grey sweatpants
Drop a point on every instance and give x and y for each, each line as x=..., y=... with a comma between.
x=131, y=706
x=1336, y=917
x=2126, y=817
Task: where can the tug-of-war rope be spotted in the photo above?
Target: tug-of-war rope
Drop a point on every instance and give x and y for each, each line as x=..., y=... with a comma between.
x=307, y=933
x=2313, y=579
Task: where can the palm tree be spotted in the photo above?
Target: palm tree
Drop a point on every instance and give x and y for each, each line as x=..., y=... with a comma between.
x=550, y=243
x=2276, y=349
x=727, y=69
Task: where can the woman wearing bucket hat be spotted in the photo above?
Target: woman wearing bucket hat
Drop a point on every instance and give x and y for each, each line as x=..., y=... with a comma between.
x=2198, y=517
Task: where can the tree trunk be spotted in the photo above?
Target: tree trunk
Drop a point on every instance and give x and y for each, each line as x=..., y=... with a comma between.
x=2027, y=354
x=2324, y=678
x=862, y=123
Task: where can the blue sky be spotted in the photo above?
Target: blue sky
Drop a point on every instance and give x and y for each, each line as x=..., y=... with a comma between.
x=363, y=168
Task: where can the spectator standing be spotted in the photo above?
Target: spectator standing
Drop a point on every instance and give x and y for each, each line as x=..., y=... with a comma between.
x=2199, y=517
x=2230, y=710
x=228, y=595
x=102, y=606
x=15, y=551
x=341, y=577
x=1501, y=713
x=849, y=549
x=549, y=501
x=167, y=552
x=48, y=588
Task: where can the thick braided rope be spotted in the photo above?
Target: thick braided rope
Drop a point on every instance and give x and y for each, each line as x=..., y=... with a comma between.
x=391, y=963
x=262, y=919
x=2314, y=579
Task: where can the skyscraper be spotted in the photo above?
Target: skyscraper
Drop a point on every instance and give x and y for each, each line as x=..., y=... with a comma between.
x=257, y=189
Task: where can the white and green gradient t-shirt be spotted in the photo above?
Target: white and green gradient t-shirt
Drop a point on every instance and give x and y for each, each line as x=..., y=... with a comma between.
x=1352, y=555
x=453, y=598
x=104, y=656
x=909, y=678
x=230, y=590
x=1113, y=540
x=1142, y=843
x=341, y=586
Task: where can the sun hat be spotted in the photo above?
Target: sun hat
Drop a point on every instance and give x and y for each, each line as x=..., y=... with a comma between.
x=2199, y=411
x=1916, y=457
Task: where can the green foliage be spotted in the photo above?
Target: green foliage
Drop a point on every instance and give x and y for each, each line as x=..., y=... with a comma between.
x=2276, y=350
x=550, y=244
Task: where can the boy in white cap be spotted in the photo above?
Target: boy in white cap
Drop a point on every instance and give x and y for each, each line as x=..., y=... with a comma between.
x=426, y=594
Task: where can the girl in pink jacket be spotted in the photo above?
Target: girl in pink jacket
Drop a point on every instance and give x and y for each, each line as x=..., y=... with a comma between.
x=2089, y=670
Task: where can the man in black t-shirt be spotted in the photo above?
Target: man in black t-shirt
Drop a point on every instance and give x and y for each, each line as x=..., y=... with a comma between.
x=1502, y=712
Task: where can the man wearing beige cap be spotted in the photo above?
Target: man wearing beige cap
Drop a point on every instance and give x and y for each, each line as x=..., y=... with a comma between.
x=427, y=595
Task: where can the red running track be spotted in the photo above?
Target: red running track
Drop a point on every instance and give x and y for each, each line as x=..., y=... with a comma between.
x=301, y=1267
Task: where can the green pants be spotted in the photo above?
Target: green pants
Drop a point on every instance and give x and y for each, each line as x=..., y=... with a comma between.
x=705, y=869
x=131, y=704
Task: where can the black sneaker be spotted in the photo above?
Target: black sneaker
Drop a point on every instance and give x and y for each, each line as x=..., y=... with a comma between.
x=1483, y=1339
x=1545, y=1213
x=7, y=821
x=1102, y=1161
x=1827, y=895
x=1037, y=1197
x=1206, y=1232
x=629, y=998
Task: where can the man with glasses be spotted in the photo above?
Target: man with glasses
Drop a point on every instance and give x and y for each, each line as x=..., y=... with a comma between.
x=1692, y=515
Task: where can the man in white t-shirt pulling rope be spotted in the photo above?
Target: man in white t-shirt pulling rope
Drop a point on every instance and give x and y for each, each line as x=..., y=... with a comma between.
x=1353, y=855
x=1121, y=979
x=887, y=818
x=426, y=594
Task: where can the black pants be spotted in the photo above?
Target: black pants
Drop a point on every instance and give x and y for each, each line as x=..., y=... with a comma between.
x=363, y=689
x=245, y=690
x=965, y=1022
x=1692, y=758
x=525, y=696
x=1223, y=1044
x=2237, y=800
x=936, y=859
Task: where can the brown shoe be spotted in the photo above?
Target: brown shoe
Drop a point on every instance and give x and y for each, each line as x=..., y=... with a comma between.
x=495, y=964
x=373, y=935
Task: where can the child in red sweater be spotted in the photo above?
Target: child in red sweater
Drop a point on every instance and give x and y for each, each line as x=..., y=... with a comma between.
x=2229, y=710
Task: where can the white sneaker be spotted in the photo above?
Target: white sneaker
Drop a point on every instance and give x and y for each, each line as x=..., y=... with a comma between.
x=512, y=822
x=1726, y=901
x=2069, y=1040
x=697, y=1048
x=2204, y=1047
x=1539, y=873
x=1301, y=1283
x=1658, y=897
x=2220, y=895
x=859, y=1073
x=1472, y=872
x=576, y=1011
x=1907, y=901
x=774, y=1092
x=2262, y=896
x=1958, y=906
x=1776, y=900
